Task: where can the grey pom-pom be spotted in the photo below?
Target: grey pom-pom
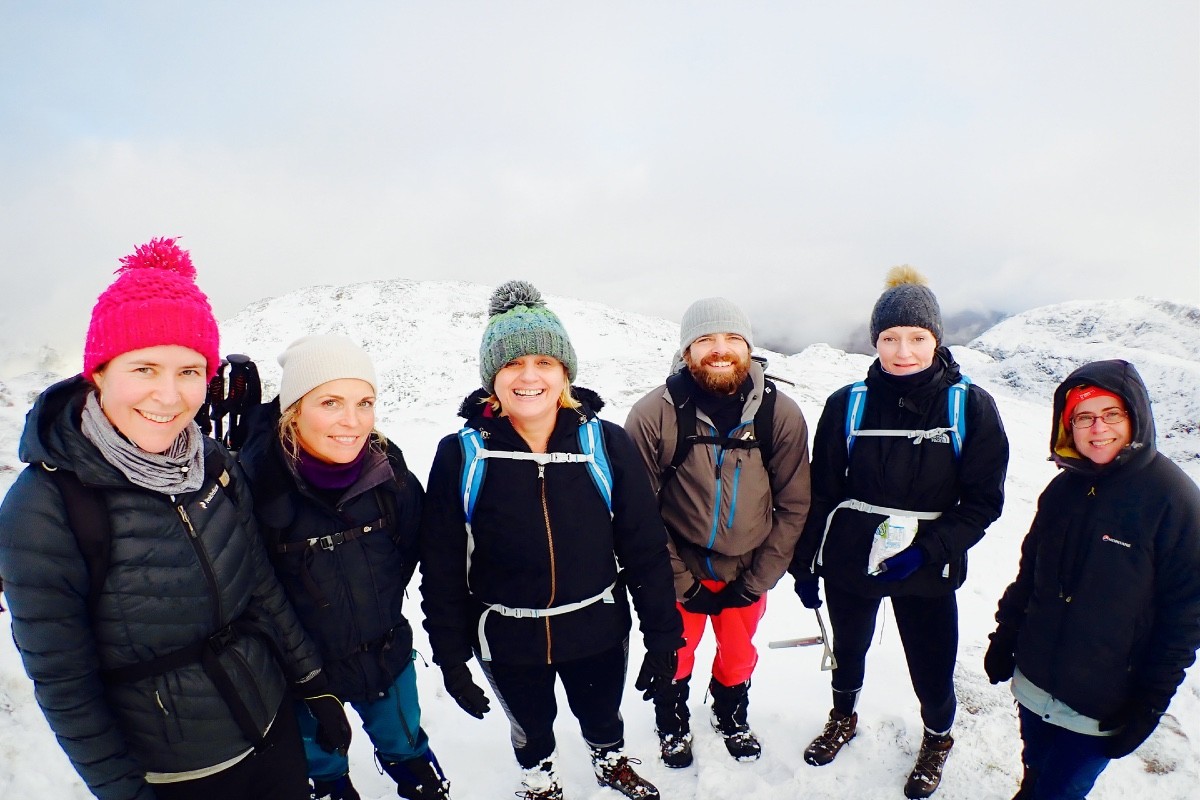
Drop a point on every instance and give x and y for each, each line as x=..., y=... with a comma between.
x=511, y=294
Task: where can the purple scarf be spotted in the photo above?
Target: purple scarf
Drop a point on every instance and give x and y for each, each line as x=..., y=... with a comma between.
x=322, y=475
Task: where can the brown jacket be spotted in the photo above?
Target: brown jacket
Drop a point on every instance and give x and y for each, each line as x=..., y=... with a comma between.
x=761, y=511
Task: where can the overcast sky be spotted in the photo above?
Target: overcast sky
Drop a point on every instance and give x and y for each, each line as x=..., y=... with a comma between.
x=640, y=153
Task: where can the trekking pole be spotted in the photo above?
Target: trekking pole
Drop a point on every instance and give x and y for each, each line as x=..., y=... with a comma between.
x=828, y=662
x=245, y=392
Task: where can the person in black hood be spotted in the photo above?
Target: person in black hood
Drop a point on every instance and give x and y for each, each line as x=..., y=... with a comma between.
x=339, y=510
x=908, y=472
x=1104, y=615
x=160, y=644
x=539, y=517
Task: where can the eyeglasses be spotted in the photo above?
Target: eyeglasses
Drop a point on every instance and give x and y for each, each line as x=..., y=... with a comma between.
x=1086, y=420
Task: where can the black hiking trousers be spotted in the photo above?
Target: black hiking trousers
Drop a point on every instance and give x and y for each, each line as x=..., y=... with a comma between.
x=593, y=685
x=928, y=629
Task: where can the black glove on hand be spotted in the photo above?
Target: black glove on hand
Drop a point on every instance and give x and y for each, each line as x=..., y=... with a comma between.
x=1139, y=720
x=702, y=600
x=736, y=595
x=333, y=729
x=1000, y=660
x=464, y=690
x=657, y=673
x=808, y=588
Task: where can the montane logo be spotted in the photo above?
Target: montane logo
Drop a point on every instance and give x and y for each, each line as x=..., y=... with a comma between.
x=1107, y=538
x=213, y=493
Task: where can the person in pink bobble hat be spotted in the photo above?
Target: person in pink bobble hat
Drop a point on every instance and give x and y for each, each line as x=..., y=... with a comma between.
x=161, y=647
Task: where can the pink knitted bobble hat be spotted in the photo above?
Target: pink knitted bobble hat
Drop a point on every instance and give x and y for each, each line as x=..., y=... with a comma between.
x=154, y=301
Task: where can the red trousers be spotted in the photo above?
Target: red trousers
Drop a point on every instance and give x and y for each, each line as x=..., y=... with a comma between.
x=734, y=629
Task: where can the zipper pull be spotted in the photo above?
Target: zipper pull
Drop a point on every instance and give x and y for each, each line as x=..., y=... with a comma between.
x=158, y=699
x=541, y=472
x=187, y=522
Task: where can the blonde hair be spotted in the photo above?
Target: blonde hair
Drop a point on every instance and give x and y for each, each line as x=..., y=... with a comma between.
x=289, y=434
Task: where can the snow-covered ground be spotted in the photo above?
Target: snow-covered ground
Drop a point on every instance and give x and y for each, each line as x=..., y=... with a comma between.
x=424, y=337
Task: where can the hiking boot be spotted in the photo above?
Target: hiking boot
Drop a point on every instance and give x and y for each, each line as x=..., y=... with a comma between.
x=613, y=769
x=417, y=778
x=540, y=782
x=838, y=730
x=729, y=708
x=337, y=789
x=927, y=774
x=673, y=723
x=675, y=749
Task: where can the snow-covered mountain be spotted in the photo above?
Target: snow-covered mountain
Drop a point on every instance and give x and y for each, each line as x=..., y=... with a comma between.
x=424, y=337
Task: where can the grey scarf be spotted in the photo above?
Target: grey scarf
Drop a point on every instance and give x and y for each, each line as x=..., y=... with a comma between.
x=179, y=470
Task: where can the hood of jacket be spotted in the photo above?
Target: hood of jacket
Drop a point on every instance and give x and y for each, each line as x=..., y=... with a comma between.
x=1122, y=379
x=53, y=435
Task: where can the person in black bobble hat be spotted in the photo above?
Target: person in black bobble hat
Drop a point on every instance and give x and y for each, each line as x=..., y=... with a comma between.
x=908, y=471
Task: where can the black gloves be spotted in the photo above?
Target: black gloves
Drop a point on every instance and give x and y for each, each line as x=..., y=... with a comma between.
x=463, y=689
x=657, y=673
x=702, y=600
x=901, y=565
x=736, y=595
x=1139, y=719
x=1000, y=660
x=808, y=588
x=333, y=729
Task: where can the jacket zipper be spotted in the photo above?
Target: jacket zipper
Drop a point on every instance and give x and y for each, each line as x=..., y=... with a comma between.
x=209, y=575
x=550, y=543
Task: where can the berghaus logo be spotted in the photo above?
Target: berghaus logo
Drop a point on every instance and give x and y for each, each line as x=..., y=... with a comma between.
x=1107, y=538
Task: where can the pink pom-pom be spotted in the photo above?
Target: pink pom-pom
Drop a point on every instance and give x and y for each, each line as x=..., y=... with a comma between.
x=160, y=254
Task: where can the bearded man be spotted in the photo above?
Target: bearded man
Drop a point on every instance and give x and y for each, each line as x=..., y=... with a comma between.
x=727, y=454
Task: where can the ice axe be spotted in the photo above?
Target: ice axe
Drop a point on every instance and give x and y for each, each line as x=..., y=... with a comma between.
x=828, y=662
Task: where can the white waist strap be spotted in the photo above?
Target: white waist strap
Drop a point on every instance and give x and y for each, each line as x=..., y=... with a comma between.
x=859, y=505
x=485, y=652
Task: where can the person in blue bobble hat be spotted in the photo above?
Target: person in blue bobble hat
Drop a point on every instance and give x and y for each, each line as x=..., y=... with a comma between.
x=908, y=472
x=539, y=526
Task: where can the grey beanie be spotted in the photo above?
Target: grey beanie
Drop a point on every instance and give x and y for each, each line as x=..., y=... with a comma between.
x=906, y=302
x=712, y=315
x=519, y=324
x=312, y=360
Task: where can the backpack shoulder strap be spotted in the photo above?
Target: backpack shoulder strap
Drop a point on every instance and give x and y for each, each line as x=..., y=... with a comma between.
x=764, y=423
x=956, y=407
x=855, y=403
x=473, y=469
x=87, y=516
x=685, y=426
x=591, y=442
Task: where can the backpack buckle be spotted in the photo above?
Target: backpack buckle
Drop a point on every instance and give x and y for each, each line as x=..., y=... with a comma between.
x=221, y=639
x=332, y=541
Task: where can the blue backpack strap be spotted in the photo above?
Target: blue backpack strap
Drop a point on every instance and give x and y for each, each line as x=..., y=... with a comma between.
x=591, y=442
x=473, y=469
x=855, y=403
x=956, y=406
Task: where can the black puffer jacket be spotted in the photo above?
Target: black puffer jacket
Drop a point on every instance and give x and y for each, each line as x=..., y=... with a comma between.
x=892, y=472
x=165, y=590
x=543, y=543
x=350, y=597
x=1107, y=599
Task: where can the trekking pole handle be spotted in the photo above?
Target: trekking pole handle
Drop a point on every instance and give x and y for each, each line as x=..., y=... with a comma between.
x=804, y=641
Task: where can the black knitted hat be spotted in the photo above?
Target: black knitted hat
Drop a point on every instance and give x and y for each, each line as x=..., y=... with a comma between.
x=907, y=301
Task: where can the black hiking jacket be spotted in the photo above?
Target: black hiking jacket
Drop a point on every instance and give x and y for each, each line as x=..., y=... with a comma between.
x=540, y=543
x=167, y=588
x=349, y=596
x=893, y=472
x=1107, y=599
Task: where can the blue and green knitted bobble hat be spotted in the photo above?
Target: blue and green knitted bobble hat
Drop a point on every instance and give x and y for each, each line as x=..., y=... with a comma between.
x=519, y=324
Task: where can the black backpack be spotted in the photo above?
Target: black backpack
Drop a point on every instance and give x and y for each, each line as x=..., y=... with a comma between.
x=686, y=437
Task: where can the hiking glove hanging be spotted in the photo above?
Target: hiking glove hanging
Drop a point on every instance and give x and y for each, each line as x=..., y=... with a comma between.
x=1136, y=722
x=333, y=729
x=901, y=565
x=464, y=690
x=702, y=600
x=736, y=595
x=657, y=673
x=1000, y=660
x=808, y=589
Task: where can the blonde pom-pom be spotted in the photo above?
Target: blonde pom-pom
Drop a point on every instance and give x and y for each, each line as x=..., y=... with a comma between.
x=904, y=274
